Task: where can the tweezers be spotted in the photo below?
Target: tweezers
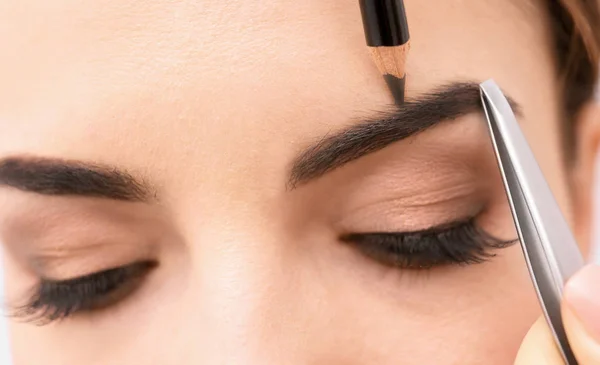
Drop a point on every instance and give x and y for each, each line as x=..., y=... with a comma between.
x=550, y=249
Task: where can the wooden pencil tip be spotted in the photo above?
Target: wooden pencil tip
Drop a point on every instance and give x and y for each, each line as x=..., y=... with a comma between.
x=390, y=60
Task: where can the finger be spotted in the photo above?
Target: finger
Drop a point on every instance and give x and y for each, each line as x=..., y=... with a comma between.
x=538, y=347
x=581, y=314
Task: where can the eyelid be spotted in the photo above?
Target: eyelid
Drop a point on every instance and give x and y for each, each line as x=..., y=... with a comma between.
x=460, y=243
x=67, y=238
x=55, y=300
x=56, y=264
x=396, y=214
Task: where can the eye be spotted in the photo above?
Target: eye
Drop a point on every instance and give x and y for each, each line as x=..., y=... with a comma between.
x=459, y=243
x=54, y=300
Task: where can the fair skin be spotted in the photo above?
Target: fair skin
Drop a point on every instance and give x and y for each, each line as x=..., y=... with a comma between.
x=209, y=103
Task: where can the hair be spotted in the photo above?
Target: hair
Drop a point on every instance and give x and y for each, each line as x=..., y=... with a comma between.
x=576, y=29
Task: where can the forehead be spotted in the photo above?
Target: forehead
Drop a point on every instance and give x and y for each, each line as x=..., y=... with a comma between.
x=246, y=38
x=107, y=70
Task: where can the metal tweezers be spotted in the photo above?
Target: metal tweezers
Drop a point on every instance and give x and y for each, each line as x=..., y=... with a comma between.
x=549, y=246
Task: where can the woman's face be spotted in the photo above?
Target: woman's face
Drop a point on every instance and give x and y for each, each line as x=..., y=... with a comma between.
x=175, y=133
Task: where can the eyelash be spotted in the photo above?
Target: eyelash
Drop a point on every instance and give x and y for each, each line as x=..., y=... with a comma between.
x=56, y=300
x=459, y=243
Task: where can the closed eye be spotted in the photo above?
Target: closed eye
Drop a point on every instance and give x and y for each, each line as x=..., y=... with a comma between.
x=458, y=243
x=54, y=300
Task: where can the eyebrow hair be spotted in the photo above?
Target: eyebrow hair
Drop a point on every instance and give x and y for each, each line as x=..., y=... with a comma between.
x=446, y=103
x=51, y=176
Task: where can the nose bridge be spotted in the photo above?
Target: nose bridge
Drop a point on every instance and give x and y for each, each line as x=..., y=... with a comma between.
x=240, y=292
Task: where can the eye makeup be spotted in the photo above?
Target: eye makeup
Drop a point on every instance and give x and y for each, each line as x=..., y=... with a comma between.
x=78, y=256
x=440, y=207
x=457, y=243
x=53, y=300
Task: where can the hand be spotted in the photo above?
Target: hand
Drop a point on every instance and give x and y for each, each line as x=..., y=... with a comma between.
x=581, y=317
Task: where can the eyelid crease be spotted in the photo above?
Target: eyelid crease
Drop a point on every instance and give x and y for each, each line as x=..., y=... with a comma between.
x=414, y=215
x=56, y=264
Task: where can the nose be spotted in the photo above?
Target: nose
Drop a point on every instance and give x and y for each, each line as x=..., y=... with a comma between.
x=243, y=303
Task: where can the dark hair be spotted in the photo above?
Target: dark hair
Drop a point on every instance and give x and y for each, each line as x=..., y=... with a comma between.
x=576, y=28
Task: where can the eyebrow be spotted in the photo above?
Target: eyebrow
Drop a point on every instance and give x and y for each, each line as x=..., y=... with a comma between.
x=50, y=176
x=446, y=103
x=61, y=177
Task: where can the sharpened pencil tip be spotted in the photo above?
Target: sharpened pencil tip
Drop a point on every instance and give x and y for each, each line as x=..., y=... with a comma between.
x=396, y=86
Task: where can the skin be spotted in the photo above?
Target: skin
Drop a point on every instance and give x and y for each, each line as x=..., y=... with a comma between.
x=210, y=102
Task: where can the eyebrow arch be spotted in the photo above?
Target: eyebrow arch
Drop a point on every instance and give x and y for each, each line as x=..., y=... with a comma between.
x=51, y=176
x=446, y=103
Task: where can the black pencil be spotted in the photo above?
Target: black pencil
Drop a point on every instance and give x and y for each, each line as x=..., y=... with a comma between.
x=386, y=32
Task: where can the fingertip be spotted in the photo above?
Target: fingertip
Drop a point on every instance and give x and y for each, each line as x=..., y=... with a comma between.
x=584, y=345
x=582, y=295
x=538, y=346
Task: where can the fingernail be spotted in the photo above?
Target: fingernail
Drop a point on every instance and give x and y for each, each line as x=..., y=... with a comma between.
x=582, y=293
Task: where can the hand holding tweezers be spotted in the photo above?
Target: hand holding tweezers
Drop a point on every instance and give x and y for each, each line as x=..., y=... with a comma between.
x=550, y=248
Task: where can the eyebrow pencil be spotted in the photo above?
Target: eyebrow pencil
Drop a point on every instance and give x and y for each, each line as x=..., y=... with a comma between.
x=386, y=32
